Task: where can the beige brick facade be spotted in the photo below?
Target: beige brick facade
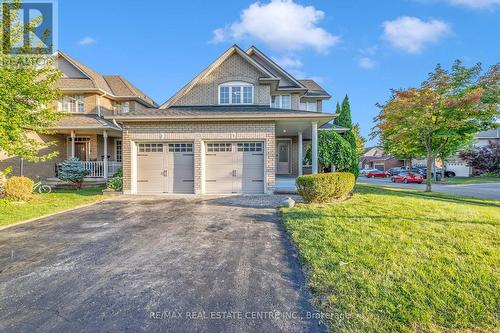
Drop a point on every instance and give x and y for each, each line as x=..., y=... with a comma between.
x=234, y=68
x=40, y=169
x=198, y=133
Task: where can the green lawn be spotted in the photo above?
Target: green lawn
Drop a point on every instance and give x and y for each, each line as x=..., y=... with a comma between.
x=42, y=204
x=470, y=180
x=392, y=260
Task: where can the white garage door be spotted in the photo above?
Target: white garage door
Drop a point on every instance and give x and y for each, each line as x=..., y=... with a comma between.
x=165, y=168
x=234, y=167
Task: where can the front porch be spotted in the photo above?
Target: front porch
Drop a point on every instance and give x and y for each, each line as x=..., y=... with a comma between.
x=99, y=152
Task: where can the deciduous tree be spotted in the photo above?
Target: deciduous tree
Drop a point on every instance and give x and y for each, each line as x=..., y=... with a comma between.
x=27, y=89
x=441, y=115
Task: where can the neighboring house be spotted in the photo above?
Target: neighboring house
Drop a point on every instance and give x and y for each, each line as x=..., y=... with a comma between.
x=458, y=166
x=374, y=158
x=88, y=133
x=232, y=129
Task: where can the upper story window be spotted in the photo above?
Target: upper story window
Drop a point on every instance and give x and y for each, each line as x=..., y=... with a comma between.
x=309, y=106
x=281, y=101
x=123, y=107
x=236, y=93
x=72, y=103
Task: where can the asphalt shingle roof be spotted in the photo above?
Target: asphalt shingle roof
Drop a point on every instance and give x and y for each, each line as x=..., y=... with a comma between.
x=84, y=121
x=314, y=88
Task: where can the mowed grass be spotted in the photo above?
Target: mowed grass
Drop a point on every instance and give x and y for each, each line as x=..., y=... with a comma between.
x=471, y=180
x=12, y=211
x=392, y=260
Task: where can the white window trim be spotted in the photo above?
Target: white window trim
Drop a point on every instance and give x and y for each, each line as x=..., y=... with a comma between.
x=280, y=100
x=308, y=103
x=77, y=103
x=116, y=150
x=235, y=84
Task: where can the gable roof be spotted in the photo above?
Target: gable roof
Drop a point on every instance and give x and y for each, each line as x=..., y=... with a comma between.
x=114, y=85
x=121, y=87
x=314, y=89
x=275, y=66
x=232, y=50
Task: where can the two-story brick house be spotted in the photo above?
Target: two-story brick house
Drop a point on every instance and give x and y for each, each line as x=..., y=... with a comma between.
x=88, y=132
x=232, y=129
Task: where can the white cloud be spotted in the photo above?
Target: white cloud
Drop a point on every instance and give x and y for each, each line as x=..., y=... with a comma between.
x=87, y=41
x=412, y=34
x=280, y=24
x=476, y=3
x=367, y=63
x=288, y=62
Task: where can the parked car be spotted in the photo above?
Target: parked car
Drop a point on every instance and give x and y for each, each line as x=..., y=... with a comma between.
x=396, y=170
x=377, y=173
x=365, y=171
x=447, y=174
x=407, y=177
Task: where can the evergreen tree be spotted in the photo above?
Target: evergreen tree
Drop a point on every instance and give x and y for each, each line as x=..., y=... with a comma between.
x=72, y=170
x=344, y=120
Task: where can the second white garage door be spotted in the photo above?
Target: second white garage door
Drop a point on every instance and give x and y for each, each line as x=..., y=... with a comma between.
x=234, y=167
x=165, y=168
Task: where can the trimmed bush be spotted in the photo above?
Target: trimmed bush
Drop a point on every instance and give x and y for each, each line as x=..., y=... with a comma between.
x=19, y=188
x=325, y=187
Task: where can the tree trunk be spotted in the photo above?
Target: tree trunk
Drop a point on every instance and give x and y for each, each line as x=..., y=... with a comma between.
x=428, y=179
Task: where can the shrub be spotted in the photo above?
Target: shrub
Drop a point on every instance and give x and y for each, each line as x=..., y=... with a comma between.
x=72, y=170
x=116, y=183
x=3, y=179
x=118, y=173
x=19, y=188
x=325, y=187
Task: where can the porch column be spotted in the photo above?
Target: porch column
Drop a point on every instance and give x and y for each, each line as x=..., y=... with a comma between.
x=105, y=139
x=300, y=152
x=72, y=143
x=314, y=147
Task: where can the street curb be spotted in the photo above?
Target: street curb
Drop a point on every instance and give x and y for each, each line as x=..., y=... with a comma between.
x=52, y=214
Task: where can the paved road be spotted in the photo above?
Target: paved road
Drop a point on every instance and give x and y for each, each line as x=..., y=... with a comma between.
x=112, y=266
x=486, y=190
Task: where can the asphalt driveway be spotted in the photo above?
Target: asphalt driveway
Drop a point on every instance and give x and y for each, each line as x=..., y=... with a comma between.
x=173, y=265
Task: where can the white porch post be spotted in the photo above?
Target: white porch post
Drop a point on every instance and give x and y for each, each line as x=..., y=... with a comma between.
x=72, y=143
x=105, y=138
x=300, y=152
x=314, y=147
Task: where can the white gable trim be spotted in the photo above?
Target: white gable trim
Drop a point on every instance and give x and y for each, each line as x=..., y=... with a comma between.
x=233, y=49
x=60, y=54
x=255, y=50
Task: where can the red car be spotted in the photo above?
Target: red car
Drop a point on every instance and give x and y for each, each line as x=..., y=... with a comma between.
x=407, y=177
x=377, y=173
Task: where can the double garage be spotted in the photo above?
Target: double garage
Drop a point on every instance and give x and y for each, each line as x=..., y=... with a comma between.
x=228, y=167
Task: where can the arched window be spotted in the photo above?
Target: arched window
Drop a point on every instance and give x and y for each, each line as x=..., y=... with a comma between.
x=236, y=93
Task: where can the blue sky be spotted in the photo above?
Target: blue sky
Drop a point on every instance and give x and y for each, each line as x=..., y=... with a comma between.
x=361, y=48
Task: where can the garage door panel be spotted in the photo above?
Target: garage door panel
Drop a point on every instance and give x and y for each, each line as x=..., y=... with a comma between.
x=181, y=172
x=165, y=168
x=150, y=168
x=238, y=170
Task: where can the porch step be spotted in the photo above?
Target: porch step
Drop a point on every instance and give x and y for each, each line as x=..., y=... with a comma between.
x=57, y=183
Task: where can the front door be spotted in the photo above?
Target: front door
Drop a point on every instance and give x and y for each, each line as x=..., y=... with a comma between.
x=283, y=150
x=81, y=151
